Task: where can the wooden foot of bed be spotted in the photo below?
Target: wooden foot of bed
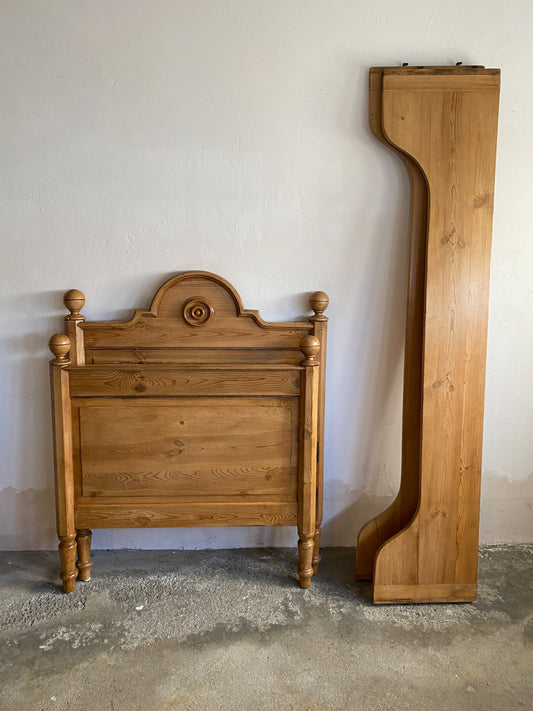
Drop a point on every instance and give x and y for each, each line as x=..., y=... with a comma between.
x=316, y=549
x=305, y=552
x=67, y=554
x=83, y=539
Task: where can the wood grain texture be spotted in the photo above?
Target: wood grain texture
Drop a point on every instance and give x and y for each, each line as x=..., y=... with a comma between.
x=67, y=555
x=319, y=303
x=63, y=462
x=83, y=541
x=62, y=427
x=308, y=462
x=193, y=356
x=146, y=331
x=164, y=323
x=447, y=122
x=158, y=380
x=167, y=514
x=212, y=446
x=193, y=413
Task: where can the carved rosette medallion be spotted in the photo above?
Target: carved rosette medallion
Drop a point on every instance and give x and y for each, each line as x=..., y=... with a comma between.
x=198, y=311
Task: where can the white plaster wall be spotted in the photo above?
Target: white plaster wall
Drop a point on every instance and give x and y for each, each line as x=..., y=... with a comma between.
x=143, y=138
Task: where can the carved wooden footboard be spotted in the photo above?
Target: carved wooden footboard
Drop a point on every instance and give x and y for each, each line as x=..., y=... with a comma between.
x=193, y=413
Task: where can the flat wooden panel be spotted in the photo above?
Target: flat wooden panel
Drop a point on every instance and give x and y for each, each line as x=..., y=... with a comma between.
x=210, y=446
x=223, y=479
x=139, y=381
x=165, y=515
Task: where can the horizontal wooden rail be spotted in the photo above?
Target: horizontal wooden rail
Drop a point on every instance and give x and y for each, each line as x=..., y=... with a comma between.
x=167, y=514
x=147, y=381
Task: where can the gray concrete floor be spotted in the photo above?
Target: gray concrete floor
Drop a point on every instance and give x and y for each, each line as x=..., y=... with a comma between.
x=228, y=630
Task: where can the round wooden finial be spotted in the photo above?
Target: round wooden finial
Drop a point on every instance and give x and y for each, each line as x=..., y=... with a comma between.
x=319, y=302
x=74, y=301
x=310, y=345
x=59, y=344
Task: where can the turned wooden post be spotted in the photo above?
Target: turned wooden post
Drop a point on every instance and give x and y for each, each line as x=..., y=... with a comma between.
x=319, y=302
x=74, y=300
x=64, y=477
x=307, y=498
x=83, y=540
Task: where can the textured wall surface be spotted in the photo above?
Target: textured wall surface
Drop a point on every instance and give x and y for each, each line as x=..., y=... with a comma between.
x=139, y=139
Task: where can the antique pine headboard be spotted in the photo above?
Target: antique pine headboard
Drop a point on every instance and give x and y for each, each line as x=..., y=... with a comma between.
x=194, y=413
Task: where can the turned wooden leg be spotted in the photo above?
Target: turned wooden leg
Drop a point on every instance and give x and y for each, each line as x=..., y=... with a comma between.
x=307, y=488
x=83, y=539
x=63, y=466
x=305, y=552
x=316, y=549
x=67, y=553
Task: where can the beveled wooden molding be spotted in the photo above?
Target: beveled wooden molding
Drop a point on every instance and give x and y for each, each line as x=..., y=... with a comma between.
x=442, y=121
